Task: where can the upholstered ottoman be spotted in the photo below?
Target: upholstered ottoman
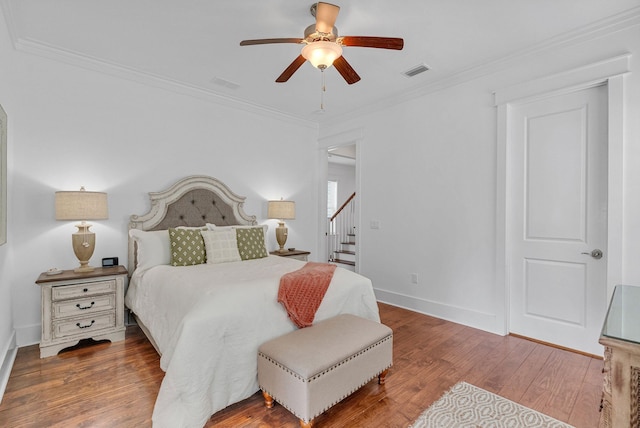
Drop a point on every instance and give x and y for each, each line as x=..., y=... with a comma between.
x=309, y=370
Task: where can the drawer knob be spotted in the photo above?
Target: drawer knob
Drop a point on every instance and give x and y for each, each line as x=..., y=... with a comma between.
x=85, y=307
x=85, y=326
x=84, y=290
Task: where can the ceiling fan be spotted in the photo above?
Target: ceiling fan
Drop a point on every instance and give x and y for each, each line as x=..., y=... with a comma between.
x=322, y=46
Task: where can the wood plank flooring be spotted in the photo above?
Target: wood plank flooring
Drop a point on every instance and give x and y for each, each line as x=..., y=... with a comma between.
x=115, y=385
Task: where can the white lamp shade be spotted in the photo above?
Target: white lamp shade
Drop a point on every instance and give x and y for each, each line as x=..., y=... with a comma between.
x=321, y=54
x=282, y=210
x=81, y=205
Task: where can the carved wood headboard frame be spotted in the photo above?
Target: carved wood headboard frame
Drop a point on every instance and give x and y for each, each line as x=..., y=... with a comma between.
x=192, y=202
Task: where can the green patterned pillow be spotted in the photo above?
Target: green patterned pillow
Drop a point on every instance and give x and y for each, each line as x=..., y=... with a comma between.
x=187, y=247
x=251, y=242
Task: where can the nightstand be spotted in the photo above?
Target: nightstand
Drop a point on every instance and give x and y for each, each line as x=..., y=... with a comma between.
x=294, y=254
x=79, y=306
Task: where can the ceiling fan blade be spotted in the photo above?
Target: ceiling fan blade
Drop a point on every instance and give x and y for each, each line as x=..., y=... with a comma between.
x=326, y=15
x=372, y=42
x=269, y=41
x=345, y=70
x=293, y=67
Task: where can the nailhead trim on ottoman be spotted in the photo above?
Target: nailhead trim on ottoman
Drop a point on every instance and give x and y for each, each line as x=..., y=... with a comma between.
x=309, y=370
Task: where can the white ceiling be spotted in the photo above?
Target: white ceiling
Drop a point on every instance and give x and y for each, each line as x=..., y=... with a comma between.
x=190, y=44
x=344, y=155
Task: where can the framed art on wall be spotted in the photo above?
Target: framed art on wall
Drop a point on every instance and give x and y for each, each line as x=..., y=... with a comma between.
x=3, y=176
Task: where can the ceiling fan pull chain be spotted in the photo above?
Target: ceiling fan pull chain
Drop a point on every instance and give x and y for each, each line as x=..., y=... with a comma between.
x=323, y=89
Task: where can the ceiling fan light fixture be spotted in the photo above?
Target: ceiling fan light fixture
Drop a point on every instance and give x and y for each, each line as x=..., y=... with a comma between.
x=321, y=54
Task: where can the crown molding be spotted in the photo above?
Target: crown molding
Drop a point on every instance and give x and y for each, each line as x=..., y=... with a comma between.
x=588, y=32
x=595, y=30
x=44, y=50
x=7, y=12
x=87, y=62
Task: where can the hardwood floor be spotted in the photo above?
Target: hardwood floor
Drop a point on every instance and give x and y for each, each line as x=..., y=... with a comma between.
x=115, y=385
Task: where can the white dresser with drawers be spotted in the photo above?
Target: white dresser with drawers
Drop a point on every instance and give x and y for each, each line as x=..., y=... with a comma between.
x=78, y=306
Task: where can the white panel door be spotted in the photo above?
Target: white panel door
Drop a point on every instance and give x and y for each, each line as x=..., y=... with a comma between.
x=558, y=161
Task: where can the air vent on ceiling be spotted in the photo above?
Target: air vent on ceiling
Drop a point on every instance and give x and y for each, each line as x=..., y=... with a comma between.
x=225, y=83
x=415, y=70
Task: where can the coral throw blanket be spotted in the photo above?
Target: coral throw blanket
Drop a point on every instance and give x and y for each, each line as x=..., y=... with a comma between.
x=301, y=291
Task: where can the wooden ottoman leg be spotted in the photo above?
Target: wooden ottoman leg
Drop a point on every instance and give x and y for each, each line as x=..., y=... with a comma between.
x=382, y=377
x=268, y=400
x=304, y=424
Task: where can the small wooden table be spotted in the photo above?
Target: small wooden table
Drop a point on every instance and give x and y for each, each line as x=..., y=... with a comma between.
x=294, y=254
x=621, y=338
x=79, y=306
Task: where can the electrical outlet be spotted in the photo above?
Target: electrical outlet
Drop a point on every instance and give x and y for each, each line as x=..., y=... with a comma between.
x=414, y=278
x=375, y=224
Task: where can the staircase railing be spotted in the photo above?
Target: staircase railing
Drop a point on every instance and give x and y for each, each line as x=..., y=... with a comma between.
x=341, y=227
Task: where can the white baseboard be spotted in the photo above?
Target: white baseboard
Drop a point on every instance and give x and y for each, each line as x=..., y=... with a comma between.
x=469, y=317
x=8, y=357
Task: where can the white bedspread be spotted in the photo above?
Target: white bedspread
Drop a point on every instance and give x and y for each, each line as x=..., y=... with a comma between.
x=209, y=320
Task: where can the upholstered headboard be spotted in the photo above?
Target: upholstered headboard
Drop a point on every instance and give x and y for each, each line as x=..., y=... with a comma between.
x=192, y=202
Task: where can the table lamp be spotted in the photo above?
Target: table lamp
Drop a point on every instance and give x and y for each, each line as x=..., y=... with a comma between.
x=281, y=210
x=82, y=205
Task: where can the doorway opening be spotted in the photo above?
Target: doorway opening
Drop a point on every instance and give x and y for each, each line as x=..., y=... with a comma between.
x=341, y=206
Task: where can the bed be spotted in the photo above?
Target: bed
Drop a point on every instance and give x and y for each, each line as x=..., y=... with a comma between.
x=207, y=320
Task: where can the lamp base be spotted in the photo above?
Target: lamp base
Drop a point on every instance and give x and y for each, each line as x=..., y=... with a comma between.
x=84, y=242
x=281, y=237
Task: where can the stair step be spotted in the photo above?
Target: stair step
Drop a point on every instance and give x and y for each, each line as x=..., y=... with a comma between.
x=344, y=262
x=345, y=256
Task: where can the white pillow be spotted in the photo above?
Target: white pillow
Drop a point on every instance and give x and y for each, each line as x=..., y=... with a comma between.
x=221, y=245
x=153, y=248
x=211, y=226
x=265, y=228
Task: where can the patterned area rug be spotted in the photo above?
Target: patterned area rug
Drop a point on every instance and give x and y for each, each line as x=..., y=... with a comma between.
x=467, y=406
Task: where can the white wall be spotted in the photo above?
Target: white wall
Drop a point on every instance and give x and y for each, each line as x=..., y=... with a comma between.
x=345, y=175
x=7, y=332
x=72, y=127
x=433, y=158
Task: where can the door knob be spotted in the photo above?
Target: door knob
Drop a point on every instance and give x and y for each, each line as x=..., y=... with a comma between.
x=596, y=254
